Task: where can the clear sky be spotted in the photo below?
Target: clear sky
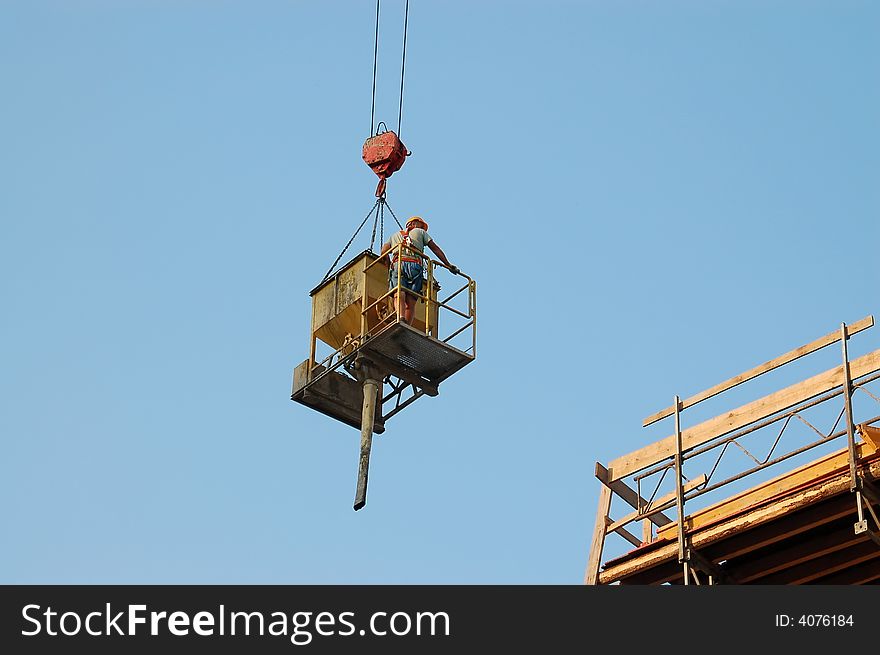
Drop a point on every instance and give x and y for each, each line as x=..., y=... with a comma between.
x=652, y=197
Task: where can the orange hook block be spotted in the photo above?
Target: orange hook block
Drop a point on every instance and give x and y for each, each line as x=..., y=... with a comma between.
x=385, y=154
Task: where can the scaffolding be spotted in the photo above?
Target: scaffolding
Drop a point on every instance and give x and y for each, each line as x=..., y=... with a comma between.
x=816, y=523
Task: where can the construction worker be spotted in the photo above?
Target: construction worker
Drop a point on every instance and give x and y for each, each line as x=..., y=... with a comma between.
x=414, y=238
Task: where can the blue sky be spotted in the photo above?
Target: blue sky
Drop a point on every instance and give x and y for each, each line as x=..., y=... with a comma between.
x=652, y=197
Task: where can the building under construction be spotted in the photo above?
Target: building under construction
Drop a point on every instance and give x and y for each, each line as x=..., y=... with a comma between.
x=690, y=516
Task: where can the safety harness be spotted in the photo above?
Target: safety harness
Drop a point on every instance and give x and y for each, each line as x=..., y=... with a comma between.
x=404, y=235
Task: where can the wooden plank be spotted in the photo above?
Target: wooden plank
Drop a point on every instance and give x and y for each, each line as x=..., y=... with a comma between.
x=870, y=434
x=768, y=491
x=670, y=572
x=741, y=417
x=796, y=523
x=659, y=502
x=630, y=496
x=626, y=534
x=591, y=576
x=867, y=572
x=832, y=563
x=803, y=550
x=734, y=527
x=790, y=356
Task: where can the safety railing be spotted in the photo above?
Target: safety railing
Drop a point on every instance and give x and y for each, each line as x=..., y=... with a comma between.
x=431, y=304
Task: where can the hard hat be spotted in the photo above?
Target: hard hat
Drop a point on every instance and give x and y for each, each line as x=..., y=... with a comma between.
x=413, y=219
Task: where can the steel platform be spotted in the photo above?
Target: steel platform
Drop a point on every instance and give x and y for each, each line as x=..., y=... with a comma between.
x=409, y=351
x=398, y=350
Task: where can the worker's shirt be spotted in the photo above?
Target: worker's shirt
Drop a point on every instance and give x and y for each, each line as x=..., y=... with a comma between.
x=416, y=241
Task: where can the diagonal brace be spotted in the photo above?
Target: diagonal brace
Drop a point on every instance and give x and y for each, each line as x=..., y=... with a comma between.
x=701, y=563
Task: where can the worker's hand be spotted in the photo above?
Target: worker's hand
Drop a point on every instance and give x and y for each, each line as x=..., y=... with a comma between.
x=455, y=270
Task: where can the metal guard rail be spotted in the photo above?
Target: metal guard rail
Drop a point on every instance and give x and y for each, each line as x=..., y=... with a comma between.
x=429, y=265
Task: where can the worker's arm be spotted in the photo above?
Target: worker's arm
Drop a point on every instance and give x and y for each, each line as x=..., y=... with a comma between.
x=385, y=248
x=442, y=256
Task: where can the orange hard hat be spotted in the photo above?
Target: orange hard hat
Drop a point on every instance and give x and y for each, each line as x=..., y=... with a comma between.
x=419, y=219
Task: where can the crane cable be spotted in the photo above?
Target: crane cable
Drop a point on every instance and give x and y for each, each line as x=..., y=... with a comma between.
x=380, y=204
x=402, y=69
x=375, y=61
x=378, y=207
x=350, y=241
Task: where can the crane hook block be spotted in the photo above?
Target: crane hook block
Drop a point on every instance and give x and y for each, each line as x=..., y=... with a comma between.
x=385, y=154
